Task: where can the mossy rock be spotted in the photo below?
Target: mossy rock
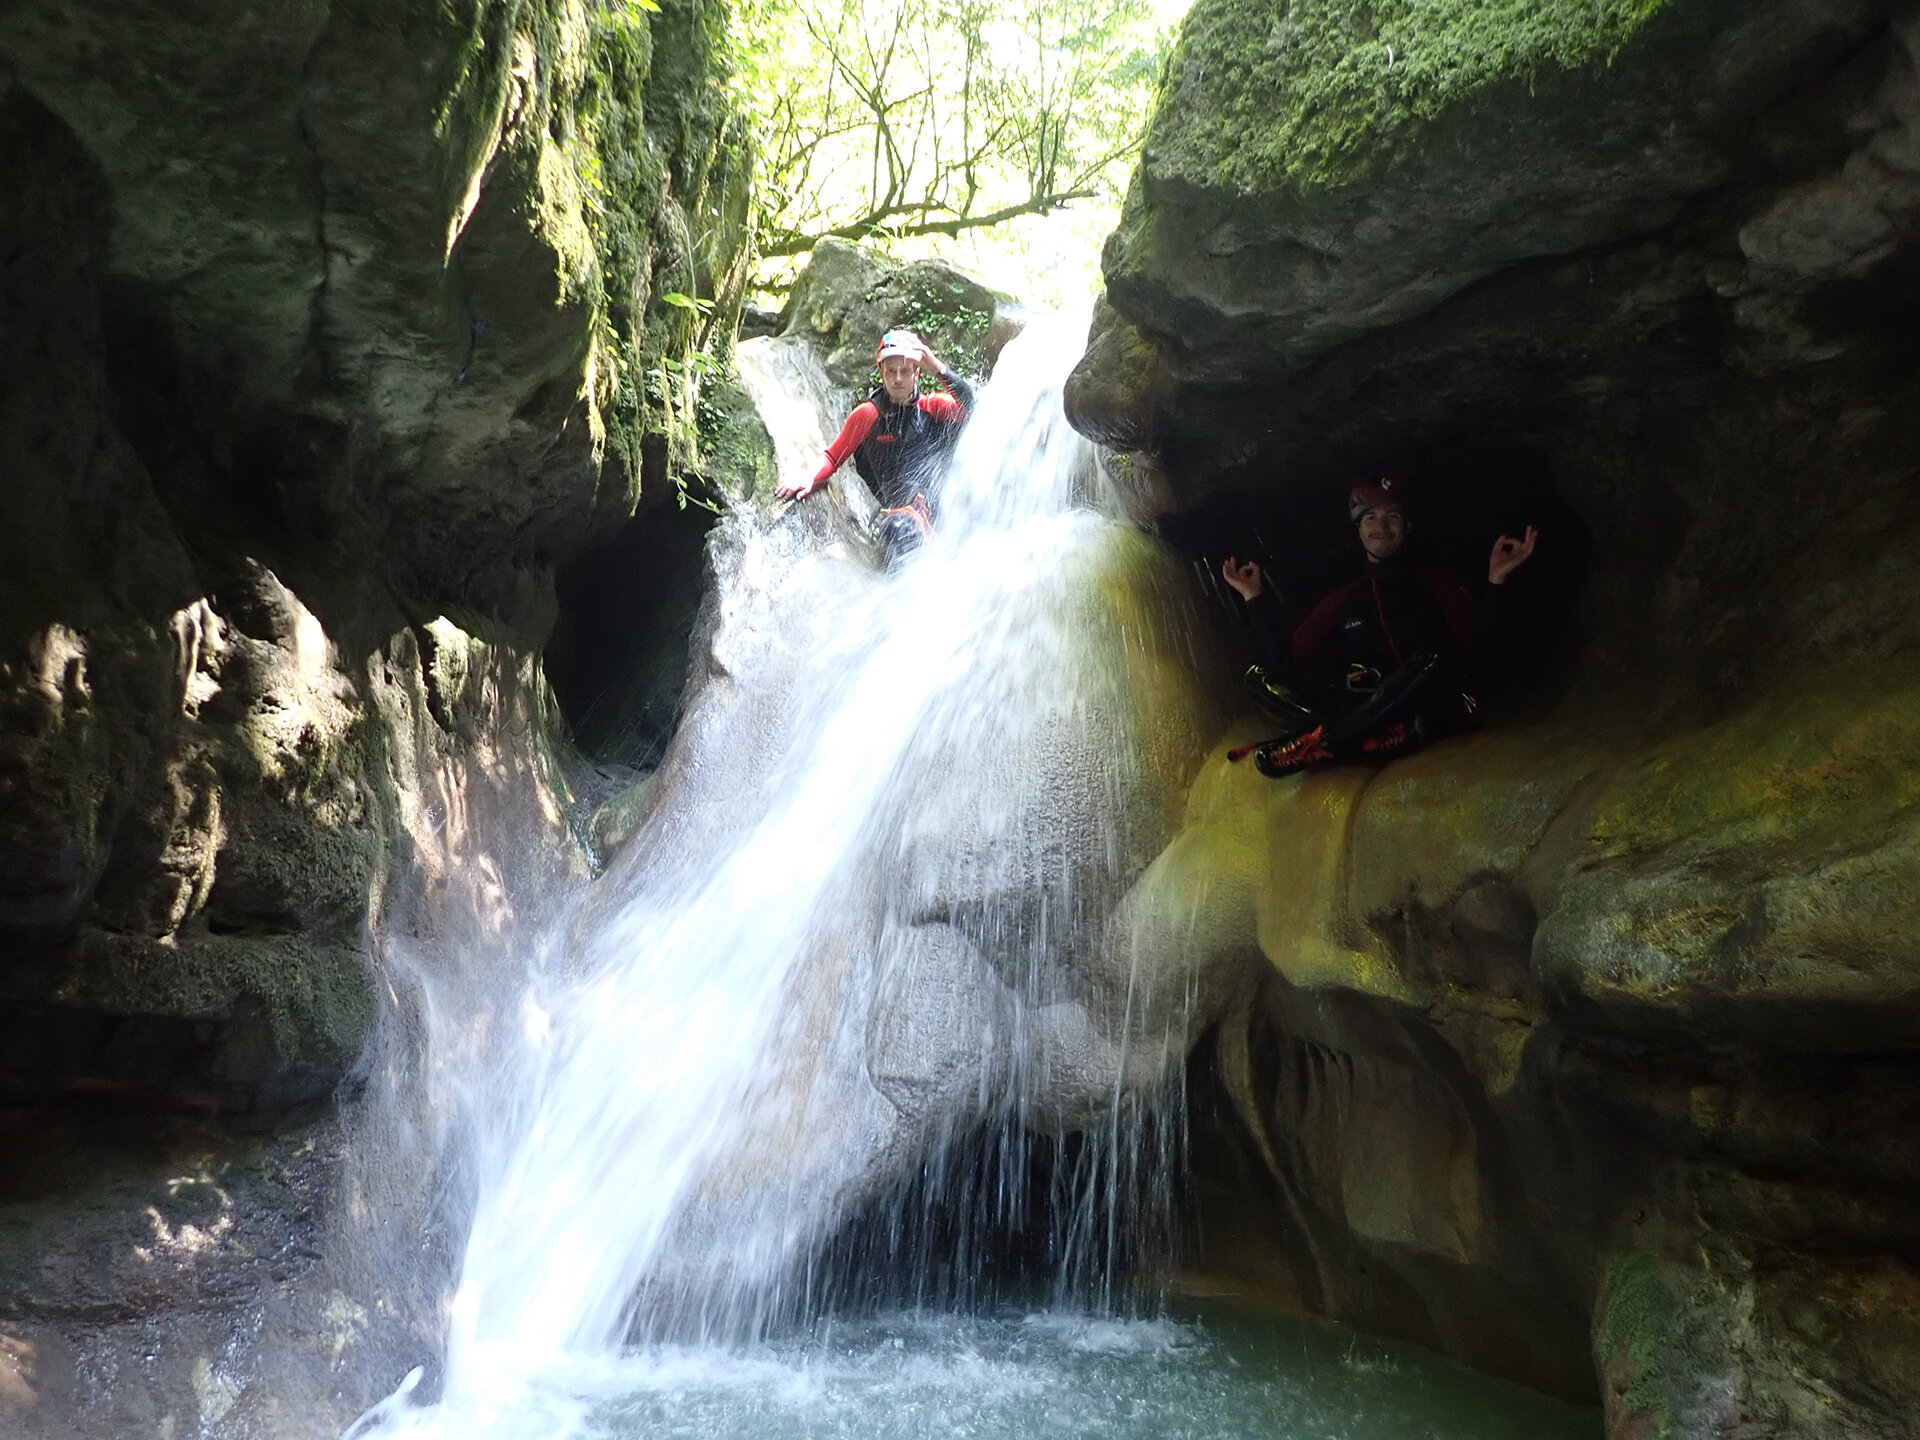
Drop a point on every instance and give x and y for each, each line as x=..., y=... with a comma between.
x=1310, y=94
x=1757, y=877
x=848, y=296
x=1320, y=169
x=1118, y=393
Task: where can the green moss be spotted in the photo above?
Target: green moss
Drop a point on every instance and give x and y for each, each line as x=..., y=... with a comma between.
x=1662, y=1341
x=612, y=120
x=1822, y=766
x=735, y=450
x=1642, y=1329
x=1313, y=93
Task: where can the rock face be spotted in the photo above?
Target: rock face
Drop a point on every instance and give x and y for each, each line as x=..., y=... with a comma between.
x=1587, y=1049
x=317, y=329
x=847, y=296
x=328, y=335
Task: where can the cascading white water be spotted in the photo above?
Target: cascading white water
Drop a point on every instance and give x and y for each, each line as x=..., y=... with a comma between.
x=867, y=914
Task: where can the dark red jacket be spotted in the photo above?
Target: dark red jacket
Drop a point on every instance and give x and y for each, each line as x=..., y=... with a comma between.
x=1386, y=616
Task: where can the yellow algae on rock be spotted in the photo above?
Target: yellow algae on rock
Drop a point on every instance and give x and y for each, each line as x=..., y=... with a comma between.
x=1305, y=924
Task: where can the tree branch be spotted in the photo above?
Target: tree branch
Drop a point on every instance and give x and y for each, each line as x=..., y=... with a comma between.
x=873, y=224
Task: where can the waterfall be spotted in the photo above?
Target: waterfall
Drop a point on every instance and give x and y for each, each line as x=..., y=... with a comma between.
x=863, y=945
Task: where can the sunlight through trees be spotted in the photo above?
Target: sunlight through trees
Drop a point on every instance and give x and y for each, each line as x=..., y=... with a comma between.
x=886, y=122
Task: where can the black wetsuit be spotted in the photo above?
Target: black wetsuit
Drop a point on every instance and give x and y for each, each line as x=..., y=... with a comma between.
x=1394, y=645
x=905, y=447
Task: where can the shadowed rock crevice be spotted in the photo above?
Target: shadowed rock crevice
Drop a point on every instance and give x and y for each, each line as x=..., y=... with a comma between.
x=622, y=645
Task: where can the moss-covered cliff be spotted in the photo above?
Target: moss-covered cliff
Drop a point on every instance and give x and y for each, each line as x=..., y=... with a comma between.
x=1309, y=96
x=322, y=322
x=1587, y=1049
x=329, y=334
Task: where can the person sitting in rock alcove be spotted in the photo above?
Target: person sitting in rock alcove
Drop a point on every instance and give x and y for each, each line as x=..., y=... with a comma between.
x=897, y=438
x=1382, y=665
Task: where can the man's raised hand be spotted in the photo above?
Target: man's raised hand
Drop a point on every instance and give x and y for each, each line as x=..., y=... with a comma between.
x=1242, y=575
x=1509, y=555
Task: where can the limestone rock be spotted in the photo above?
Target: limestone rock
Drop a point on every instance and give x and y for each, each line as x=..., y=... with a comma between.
x=317, y=328
x=326, y=340
x=1116, y=394
x=1318, y=176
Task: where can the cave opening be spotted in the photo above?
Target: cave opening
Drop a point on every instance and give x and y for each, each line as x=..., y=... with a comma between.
x=1462, y=496
x=622, y=642
x=1010, y=1215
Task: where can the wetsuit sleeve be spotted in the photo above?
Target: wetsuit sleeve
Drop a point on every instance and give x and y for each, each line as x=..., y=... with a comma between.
x=956, y=404
x=1312, y=632
x=1268, y=620
x=1486, y=630
x=859, y=425
x=1456, y=607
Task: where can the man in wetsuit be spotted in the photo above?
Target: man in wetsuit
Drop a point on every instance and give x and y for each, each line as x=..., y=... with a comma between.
x=897, y=438
x=1383, y=664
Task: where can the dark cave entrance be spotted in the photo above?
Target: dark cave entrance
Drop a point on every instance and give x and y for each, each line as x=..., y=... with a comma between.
x=1462, y=496
x=622, y=644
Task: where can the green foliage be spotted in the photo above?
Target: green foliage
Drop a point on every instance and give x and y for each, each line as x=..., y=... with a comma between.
x=1314, y=92
x=938, y=117
x=1660, y=1329
x=939, y=314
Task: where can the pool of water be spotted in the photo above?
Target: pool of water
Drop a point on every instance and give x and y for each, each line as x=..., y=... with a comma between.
x=1211, y=1373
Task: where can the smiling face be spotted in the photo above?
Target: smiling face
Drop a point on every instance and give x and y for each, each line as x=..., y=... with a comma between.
x=900, y=377
x=1383, y=530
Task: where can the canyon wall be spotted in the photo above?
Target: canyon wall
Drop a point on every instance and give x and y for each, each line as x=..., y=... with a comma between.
x=330, y=334
x=1586, y=1045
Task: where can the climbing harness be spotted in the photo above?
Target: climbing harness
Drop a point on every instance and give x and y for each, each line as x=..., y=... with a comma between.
x=916, y=510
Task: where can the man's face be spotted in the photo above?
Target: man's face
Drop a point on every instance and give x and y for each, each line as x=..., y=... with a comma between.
x=901, y=377
x=1383, y=530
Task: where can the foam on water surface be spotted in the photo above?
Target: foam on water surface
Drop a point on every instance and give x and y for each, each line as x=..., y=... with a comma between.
x=1215, y=1374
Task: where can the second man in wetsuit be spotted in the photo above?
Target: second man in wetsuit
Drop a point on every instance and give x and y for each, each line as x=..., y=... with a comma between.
x=897, y=439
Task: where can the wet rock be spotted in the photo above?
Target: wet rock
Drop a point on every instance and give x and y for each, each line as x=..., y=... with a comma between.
x=1707, y=1348
x=1116, y=394
x=614, y=821
x=1589, y=1034
x=324, y=344
x=848, y=296
x=1400, y=909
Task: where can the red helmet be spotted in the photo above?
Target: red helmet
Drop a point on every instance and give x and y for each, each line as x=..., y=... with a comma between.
x=1371, y=494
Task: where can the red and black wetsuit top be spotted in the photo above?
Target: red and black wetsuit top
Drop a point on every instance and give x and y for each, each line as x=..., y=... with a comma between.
x=1384, y=618
x=897, y=447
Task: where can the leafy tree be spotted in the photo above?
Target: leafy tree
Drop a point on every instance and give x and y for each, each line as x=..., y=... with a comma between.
x=930, y=118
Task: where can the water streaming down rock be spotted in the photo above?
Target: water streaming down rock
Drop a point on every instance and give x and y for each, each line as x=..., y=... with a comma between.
x=873, y=921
